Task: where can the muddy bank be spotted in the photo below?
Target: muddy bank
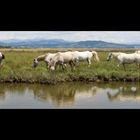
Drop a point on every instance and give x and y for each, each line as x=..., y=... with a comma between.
x=72, y=79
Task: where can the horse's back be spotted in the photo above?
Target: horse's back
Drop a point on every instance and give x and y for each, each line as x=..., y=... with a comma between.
x=62, y=57
x=129, y=58
x=68, y=56
x=83, y=55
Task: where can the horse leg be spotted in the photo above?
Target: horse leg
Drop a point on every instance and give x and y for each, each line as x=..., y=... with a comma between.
x=124, y=66
x=47, y=65
x=118, y=65
x=56, y=66
x=70, y=63
x=1, y=64
x=73, y=65
x=89, y=62
x=62, y=65
x=138, y=65
x=65, y=66
x=76, y=61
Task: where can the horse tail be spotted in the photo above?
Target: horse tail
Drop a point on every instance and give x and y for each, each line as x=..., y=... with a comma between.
x=96, y=56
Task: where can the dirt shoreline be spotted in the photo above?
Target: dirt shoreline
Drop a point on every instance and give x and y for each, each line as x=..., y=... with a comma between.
x=72, y=79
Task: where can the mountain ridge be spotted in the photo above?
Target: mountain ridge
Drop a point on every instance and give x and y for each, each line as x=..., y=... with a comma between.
x=57, y=43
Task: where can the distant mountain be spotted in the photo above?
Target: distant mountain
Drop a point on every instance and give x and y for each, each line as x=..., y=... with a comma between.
x=57, y=43
x=33, y=42
x=100, y=44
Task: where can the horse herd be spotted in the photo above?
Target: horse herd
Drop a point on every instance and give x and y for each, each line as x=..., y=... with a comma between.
x=72, y=57
x=63, y=58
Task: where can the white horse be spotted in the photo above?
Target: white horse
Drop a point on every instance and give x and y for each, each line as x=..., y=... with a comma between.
x=113, y=54
x=46, y=58
x=85, y=55
x=1, y=57
x=137, y=52
x=62, y=59
x=125, y=58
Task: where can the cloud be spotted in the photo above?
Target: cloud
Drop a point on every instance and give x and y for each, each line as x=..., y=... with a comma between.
x=109, y=36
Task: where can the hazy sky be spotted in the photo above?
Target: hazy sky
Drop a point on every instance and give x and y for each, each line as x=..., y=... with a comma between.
x=109, y=36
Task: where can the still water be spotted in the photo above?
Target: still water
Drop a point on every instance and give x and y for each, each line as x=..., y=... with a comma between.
x=70, y=95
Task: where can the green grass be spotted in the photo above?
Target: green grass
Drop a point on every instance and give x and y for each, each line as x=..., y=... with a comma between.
x=17, y=67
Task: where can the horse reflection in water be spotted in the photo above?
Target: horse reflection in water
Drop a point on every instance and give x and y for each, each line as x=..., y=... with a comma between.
x=68, y=95
x=2, y=95
x=5, y=90
x=125, y=93
x=59, y=96
x=64, y=94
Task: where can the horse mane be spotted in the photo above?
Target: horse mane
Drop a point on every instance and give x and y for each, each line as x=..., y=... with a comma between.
x=41, y=57
x=113, y=53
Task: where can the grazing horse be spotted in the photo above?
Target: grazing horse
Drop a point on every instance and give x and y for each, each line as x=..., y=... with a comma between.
x=113, y=54
x=62, y=59
x=125, y=58
x=46, y=58
x=137, y=52
x=2, y=56
x=85, y=55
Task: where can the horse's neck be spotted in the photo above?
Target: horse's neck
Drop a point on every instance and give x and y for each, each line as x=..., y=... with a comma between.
x=115, y=54
x=41, y=58
x=55, y=58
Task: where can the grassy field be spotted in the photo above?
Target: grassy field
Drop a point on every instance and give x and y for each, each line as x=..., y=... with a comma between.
x=17, y=67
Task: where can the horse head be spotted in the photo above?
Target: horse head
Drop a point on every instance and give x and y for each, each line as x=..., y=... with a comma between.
x=95, y=56
x=35, y=63
x=3, y=56
x=109, y=56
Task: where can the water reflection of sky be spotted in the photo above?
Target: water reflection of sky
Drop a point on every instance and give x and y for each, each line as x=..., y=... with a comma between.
x=72, y=95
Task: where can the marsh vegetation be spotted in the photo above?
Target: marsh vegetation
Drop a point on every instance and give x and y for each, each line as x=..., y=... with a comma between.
x=17, y=67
